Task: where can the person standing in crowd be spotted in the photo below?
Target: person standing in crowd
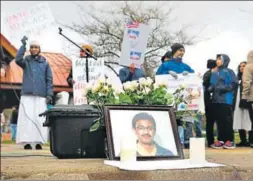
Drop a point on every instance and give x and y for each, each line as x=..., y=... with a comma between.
x=130, y=73
x=175, y=65
x=210, y=120
x=223, y=84
x=36, y=93
x=247, y=93
x=13, y=121
x=242, y=121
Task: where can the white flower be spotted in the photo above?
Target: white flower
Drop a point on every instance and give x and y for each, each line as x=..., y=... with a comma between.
x=118, y=91
x=156, y=86
x=127, y=85
x=134, y=84
x=183, y=86
x=95, y=88
x=162, y=83
x=142, y=81
x=149, y=81
x=146, y=90
x=106, y=88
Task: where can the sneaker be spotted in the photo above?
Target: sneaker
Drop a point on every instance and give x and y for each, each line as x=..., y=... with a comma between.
x=229, y=145
x=38, y=147
x=243, y=144
x=217, y=145
x=28, y=147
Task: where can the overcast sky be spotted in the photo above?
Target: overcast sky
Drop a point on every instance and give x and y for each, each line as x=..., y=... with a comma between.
x=229, y=28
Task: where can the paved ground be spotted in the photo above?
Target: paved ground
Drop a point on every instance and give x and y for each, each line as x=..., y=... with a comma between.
x=46, y=167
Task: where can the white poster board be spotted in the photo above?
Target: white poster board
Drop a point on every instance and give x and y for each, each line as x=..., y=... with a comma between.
x=96, y=69
x=134, y=44
x=193, y=85
x=37, y=23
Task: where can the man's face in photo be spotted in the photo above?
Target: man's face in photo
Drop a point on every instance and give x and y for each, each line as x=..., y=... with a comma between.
x=145, y=131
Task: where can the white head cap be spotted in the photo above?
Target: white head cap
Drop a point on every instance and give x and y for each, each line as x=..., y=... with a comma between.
x=35, y=42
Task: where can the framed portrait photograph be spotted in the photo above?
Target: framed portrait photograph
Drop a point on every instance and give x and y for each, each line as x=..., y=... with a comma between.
x=153, y=127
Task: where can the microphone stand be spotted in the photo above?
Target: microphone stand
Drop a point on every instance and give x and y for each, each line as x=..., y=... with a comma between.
x=87, y=53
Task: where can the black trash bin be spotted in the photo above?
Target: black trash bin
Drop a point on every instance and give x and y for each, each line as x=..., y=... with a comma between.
x=69, y=132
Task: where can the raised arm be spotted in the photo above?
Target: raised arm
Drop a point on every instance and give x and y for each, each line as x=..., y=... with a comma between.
x=21, y=52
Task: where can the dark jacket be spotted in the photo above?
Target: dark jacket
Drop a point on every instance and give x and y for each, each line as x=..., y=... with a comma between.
x=70, y=79
x=175, y=65
x=206, y=81
x=14, y=117
x=243, y=104
x=37, y=74
x=223, y=83
x=125, y=75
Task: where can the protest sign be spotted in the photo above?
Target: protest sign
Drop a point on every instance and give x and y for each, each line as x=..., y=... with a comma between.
x=37, y=23
x=194, y=89
x=96, y=69
x=134, y=44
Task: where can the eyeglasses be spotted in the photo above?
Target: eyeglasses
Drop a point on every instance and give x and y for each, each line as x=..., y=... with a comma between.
x=142, y=128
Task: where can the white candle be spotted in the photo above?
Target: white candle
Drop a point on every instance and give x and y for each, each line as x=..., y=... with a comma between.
x=197, y=151
x=128, y=148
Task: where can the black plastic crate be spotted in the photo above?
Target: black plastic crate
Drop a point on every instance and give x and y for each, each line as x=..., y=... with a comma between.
x=69, y=132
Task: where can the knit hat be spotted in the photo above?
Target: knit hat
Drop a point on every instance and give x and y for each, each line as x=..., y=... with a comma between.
x=176, y=47
x=211, y=63
x=35, y=42
x=167, y=54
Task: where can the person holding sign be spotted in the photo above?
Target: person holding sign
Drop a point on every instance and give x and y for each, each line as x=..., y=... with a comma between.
x=175, y=65
x=37, y=92
x=223, y=85
x=130, y=74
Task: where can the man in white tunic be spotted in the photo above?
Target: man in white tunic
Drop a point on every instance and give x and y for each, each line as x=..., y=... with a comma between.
x=37, y=92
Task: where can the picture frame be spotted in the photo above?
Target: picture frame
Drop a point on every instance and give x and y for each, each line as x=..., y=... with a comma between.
x=123, y=118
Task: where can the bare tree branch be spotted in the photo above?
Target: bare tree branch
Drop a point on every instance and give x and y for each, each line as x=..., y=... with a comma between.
x=105, y=27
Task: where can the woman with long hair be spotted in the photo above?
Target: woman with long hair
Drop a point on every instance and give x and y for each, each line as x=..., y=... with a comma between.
x=242, y=121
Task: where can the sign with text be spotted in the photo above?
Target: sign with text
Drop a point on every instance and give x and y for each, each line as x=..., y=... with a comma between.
x=194, y=90
x=37, y=23
x=134, y=44
x=96, y=69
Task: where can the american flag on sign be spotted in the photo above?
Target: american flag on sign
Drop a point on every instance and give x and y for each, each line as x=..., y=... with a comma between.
x=132, y=24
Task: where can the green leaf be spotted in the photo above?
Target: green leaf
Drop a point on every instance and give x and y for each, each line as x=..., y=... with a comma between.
x=95, y=126
x=125, y=99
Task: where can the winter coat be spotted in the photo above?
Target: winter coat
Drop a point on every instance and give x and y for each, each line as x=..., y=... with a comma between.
x=175, y=65
x=125, y=75
x=223, y=83
x=37, y=74
x=247, y=79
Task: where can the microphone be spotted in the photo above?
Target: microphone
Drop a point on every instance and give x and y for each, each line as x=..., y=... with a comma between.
x=60, y=30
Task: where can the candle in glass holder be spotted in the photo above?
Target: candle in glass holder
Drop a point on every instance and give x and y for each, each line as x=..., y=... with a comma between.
x=128, y=149
x=197, y=151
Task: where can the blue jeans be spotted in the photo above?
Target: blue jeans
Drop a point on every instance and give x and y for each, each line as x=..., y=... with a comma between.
x=188, y=130
x=13, y=132
x=181, y=133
